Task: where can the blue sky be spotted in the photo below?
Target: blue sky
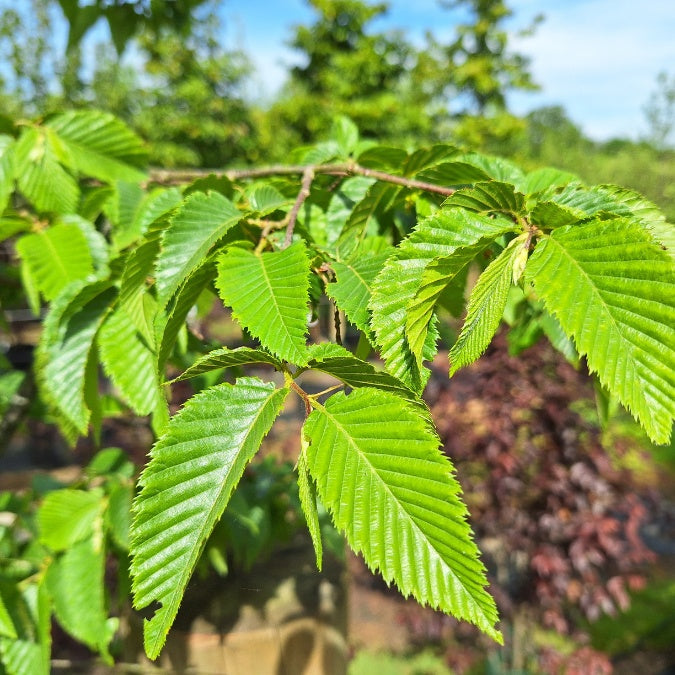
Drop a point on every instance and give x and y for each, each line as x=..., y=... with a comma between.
x=597, y=58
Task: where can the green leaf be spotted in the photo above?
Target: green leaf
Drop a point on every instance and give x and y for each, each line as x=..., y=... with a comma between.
x=440, y=235
x=195, y=227
x=186, y=486
x=378, y=198
x=346, y=135
x=485, y=308
x=42, y=179
x=69, y=333
x=383, y=157
x=496, y=168
x=55, y=257
x=265, y=199
x=546, y=178
x=139, y=265
x=29, y=655
x=307, y=491
x=352, y=288
x=100, y=145
x=453, y=173
x=613, y=291
x=120, y=208
x=341, y=205
x=557, y=337
x=343, y=365
x=589, y=201
x=7, y=628
x=11, y=225
x=227, y=358
x=68, y=516
x=426, y=158
x=118, y=515
x=437, y=276
x=489, y=197
x=98, y=246
x=169, y=323
x=648, y=213
x=6, y=170
x=380, y=473
x=549, y=215
x=130, y=363
x=75, y=581
x=268, y=293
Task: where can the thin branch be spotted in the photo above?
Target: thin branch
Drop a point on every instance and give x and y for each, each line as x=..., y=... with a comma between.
x=307, y=178
x=165, y=177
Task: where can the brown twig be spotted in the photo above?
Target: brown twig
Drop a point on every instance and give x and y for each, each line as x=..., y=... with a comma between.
x=306, y=186
x=165, y=177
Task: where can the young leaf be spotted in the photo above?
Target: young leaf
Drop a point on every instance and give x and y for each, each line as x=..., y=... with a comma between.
x=100, y=145
x=226, y=358
x=486, y=306
x=268, y=293
x=56, y=256
x=352, y=288
x=75, y=583
x=436, y=277
x=195, y=227
x=613, y=291
x=380, y=473
x=438, y=236
x=185, y=488
x=307, y=491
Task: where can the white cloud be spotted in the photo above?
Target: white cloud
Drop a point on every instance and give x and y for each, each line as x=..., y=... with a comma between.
x=599, y=59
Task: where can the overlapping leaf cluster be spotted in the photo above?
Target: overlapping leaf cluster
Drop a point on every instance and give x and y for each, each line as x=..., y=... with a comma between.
x=389, y=251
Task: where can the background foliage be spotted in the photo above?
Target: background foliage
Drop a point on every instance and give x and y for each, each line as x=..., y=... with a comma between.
x=89, y=231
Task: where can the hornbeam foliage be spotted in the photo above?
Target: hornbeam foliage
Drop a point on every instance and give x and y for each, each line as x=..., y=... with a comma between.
x=373, y=250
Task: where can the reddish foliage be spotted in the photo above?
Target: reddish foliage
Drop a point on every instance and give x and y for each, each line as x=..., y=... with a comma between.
x=558, y=524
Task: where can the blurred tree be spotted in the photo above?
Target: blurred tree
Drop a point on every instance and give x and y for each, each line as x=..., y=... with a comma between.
x=188, y=101
x=376, y=79
x=478, y=64
x=475, y=72
x=37, y=78
x=551, y=138
x=660, y=111
x=127, y=18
